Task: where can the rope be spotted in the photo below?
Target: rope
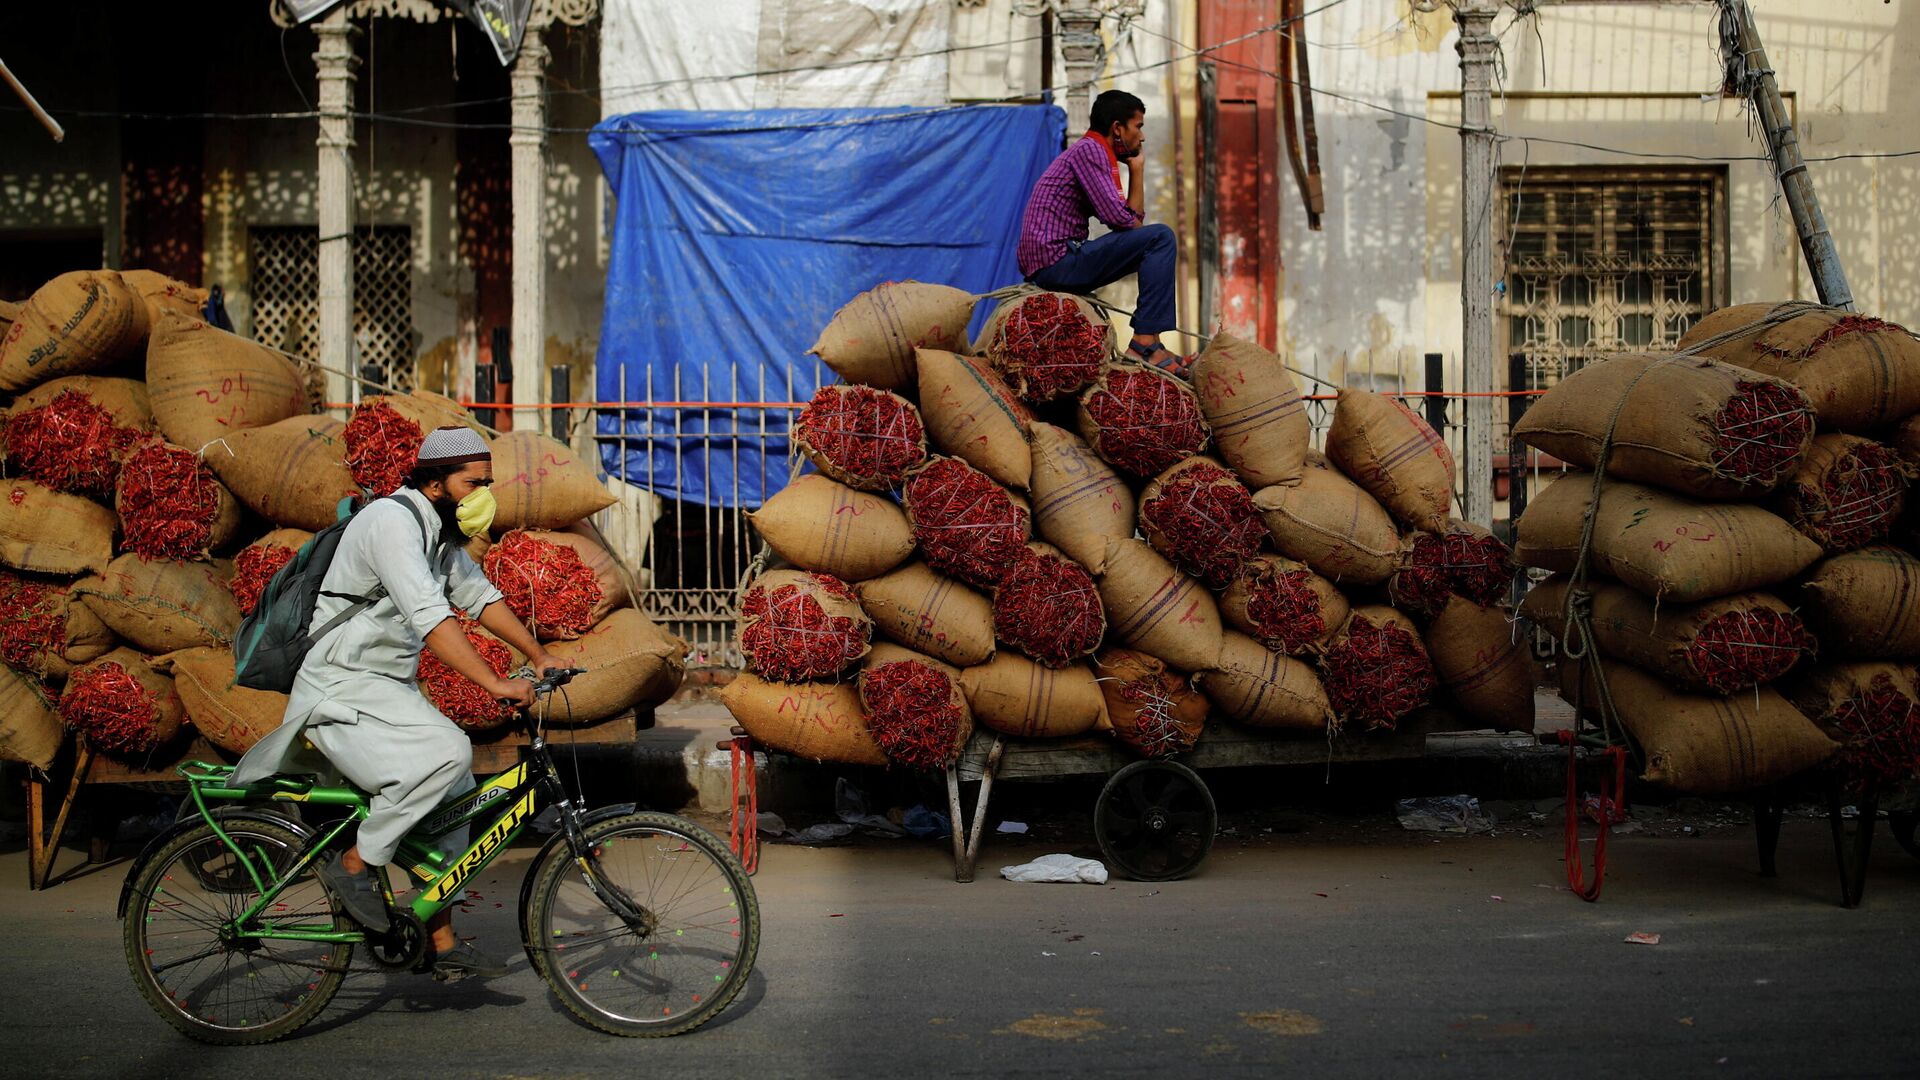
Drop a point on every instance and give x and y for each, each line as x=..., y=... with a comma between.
x=743, y=826
x=1609, y=802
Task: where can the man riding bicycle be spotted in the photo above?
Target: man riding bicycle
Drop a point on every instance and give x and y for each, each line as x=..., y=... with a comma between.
x=356, y=698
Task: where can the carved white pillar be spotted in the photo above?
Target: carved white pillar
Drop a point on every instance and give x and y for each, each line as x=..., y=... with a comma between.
x=336, y=63
x=529, y=141
x=1083, y=53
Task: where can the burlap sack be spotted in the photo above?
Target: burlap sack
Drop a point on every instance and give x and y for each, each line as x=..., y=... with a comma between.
x=991, y=344
x=76, y=323
x=1681, y=425
x=1860, y=373
x=162, y=294
x=1865, y=605
x=541, y=484
x=430, y=410
x=78, y=636
x=169, y=713
x=1381, y=445
x=1210, y=527
x=1151, y=708
x=232, y=717
x=1667, y=639
x=161, y=605
x=1079, y=502
x=872, y=339
x=52, y=532
x=1484, y=663
x=1155, y=608
x=9, y=313
x=1329, y=523
x=30, y=729
x=883, y=422
x=1259, y=419
x=293, y=473
x=125, y=399
x=932, y=613
x=1905, y=439
x=887, y=653
x=291, y=539
x=821, y=721
x=1254, y=686
x=835, y=599
x=1670, y=548
x=1705, y=745
x=207, y=384
x=970, y=413
x=1822, y=691
x=1847, y=492
x=1299, y=621
x=1015, y=696
x=631, y=663
x=817, y=524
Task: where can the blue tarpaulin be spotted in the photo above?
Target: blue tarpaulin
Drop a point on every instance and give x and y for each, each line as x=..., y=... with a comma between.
x=739, y=234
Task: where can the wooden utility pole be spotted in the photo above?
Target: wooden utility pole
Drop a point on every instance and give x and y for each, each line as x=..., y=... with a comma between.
x=1749, y=74
x=336, y=62
x=529, y=142
x=1478, y=187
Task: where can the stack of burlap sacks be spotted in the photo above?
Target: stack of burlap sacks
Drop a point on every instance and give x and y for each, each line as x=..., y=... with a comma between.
x=1755, y=600
x=1199, y=564
x=129, y=354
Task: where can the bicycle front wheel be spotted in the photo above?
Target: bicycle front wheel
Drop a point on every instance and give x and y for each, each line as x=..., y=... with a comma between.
x=674, y=967
x=208, y=981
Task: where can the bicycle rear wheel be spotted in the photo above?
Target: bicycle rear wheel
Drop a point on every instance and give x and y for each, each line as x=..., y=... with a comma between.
x=665, y=976
x=214, y=986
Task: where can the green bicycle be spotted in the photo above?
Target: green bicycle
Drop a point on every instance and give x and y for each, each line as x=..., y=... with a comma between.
x=643, y=923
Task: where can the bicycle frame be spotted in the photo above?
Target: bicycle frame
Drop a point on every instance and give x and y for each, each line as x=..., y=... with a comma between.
x=514, y=791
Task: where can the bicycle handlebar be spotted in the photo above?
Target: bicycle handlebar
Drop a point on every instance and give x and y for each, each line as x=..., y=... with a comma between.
x=552, y=679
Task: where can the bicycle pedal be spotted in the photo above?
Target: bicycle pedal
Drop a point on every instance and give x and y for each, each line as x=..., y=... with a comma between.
x=448, y=976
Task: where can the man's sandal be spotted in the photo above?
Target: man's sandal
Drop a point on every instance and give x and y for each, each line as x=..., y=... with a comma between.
x=1150, y=355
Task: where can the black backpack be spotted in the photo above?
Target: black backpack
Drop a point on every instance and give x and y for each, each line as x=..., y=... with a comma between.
x=273, y=641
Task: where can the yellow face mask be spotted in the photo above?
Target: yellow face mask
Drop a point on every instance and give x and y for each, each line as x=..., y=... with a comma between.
x=474, y=514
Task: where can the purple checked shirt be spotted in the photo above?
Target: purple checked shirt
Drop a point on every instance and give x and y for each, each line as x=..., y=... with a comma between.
x=1078, y=185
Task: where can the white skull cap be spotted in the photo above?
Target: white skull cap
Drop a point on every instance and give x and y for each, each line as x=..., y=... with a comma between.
x=453, y=445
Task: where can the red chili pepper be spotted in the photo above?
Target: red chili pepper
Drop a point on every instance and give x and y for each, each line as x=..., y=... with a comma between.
x=545, y=584
x=966, y=525
x=913, y=713
x=382, y=446
x=1048, y=607
x=168, y=499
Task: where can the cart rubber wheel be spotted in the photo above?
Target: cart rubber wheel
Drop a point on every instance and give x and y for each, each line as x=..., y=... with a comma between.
x=1155, y=821
x=1904, y=823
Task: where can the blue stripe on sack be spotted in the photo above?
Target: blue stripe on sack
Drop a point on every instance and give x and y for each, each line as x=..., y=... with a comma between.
x=1073, y=493
x=1229, y=422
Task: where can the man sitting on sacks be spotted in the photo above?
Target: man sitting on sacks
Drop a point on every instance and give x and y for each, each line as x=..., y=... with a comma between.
x=1084, y=182
x=356, y=699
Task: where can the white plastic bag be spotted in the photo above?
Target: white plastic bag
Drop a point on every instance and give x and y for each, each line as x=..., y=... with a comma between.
x=1064, y=869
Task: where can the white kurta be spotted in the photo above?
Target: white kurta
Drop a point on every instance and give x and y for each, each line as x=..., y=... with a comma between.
x=356, y=697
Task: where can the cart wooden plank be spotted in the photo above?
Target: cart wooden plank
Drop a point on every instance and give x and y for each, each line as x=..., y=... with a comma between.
x=1220, y=746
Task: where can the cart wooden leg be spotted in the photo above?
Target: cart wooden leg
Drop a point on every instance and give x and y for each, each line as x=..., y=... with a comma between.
x=1852, y=851
x=959, y=829
x=1769, y=807
x=963, y=870
x=42, y=848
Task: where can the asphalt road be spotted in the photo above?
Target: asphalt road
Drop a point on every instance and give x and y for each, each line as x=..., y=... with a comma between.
x=1350, y=949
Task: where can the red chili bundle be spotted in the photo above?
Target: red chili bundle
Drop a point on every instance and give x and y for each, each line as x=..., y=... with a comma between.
x=796, y=626
x=1046, y=346
x=69, y=444
x=1847, y=324
x=168, y=501
x=1203, y=518
x=1285, y=609
x=1747, y=647
x=860, y=436
x=914, y=712
x=253, y=568
x=114, y=710
x=32, y=621
x=545, y=584
x=1152, y=708
x=1048, y=607
x=1857, y=497
x=1464, y=561
x=1142, y=421
x=1880, y=732
x=382, y=446
x=1760, y=431
x=459, y=698
x=966, y=525
x=1377, y=673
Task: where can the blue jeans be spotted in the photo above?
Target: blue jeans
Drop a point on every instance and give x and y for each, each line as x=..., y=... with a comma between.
x=1147, y=251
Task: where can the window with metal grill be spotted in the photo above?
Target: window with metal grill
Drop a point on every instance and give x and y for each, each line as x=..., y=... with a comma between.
x=285, y=283
x=1602, y=260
